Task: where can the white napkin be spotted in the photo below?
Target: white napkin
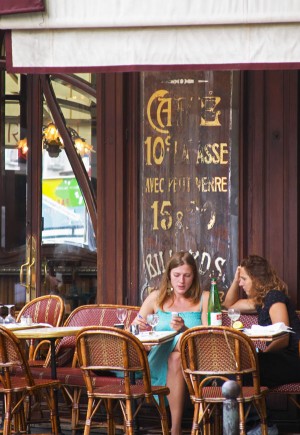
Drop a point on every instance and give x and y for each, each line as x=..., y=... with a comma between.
x=268, y=330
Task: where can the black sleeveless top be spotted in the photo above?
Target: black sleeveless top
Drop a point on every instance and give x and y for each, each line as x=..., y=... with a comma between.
x=272, y=297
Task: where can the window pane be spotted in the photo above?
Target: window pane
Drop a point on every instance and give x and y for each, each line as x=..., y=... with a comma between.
x=65, y=216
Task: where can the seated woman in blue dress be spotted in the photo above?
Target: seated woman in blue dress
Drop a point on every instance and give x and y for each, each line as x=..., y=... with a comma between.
x=180, y=294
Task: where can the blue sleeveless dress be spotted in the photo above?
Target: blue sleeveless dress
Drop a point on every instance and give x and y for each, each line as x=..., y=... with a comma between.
x=158, y=356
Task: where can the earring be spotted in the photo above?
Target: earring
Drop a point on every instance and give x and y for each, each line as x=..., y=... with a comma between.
x=169, y=291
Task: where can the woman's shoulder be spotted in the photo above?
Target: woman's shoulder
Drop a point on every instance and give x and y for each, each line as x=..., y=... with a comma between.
x=152, y=297
x=274, y=296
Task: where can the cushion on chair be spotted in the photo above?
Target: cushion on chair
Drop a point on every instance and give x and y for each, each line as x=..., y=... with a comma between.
x=72, y=376
x=293, y=388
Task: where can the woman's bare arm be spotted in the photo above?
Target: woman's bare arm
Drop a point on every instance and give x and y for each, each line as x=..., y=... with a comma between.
x=205, y=296
x=278, y=313
x=149, y=306
x=232, y=296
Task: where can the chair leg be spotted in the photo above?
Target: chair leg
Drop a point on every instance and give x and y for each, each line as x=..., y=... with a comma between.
x=7, y=415
x=261, y=404
x=217, y=429
x=294, y=400
x=128, y=417
x=163, y=415
x=110, y=418
x=31, y=350
x=19, y=421
x=72, y=396
x=75, y=409
x=206, y=418
x=196, y=419
x=242, y=424
x=50, y=398
x=87, y=426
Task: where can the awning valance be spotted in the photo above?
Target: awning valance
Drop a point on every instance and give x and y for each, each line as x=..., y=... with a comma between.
x=133, y=34
x=8, y=7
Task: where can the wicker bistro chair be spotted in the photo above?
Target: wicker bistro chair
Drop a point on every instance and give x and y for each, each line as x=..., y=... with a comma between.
x=108, y=348
x=210, y=355
x=291, y=390
x=16, y=388
x=72, y=382
x=44, y=309
x=89, y=315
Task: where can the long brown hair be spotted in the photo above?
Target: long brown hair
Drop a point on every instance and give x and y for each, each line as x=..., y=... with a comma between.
x=264, y=277
x=165, y=291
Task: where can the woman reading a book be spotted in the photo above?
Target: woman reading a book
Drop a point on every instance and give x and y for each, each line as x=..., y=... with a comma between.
x=177, y=302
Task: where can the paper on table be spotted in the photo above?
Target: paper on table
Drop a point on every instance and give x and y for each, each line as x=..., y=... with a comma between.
x=24, y=326
x=276, y=328
x=156, y=337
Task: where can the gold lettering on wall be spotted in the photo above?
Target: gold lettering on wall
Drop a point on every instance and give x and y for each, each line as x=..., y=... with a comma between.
x=186, y=182
x=162, y=114
x=209, y=114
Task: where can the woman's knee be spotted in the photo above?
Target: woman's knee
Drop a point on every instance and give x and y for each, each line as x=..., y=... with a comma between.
x=174, y=360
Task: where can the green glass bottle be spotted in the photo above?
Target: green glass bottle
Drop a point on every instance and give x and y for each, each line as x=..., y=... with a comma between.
x=214, y=311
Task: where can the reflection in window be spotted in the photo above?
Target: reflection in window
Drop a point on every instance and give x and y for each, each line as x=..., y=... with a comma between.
x=65, y=217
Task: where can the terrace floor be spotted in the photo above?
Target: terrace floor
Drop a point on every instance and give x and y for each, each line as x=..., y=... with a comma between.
x=283, y=413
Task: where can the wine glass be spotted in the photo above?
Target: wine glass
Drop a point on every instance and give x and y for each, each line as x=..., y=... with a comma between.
x=234, y=314
x=9, y=318
x=121, y=314
x=152, y=320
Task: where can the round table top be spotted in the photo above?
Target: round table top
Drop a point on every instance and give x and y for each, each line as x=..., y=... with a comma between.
x=53, y=332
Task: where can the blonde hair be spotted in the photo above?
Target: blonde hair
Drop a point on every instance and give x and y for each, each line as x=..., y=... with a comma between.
x=165, y=290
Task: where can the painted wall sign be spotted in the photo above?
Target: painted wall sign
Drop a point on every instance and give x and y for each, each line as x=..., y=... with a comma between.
x=189, y=176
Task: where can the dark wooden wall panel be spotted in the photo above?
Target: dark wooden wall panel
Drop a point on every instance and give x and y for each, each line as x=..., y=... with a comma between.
x=109, y=189
x=117, y=188
x=131, y=199
x=270, y=172
x=291, y=258
x=273, y=168
x=254, y=165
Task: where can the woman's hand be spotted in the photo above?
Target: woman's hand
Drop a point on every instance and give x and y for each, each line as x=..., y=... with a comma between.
x=149, y=307
x=232, y=296
x=237, y=275
x=177, y=323
x=139, y=320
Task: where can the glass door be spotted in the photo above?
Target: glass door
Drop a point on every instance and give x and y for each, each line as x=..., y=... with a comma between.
x=48, y=175
x=68, y=236
x=15, y=253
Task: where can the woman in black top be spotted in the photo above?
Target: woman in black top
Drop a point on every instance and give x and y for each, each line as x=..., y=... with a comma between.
x=267, y=294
